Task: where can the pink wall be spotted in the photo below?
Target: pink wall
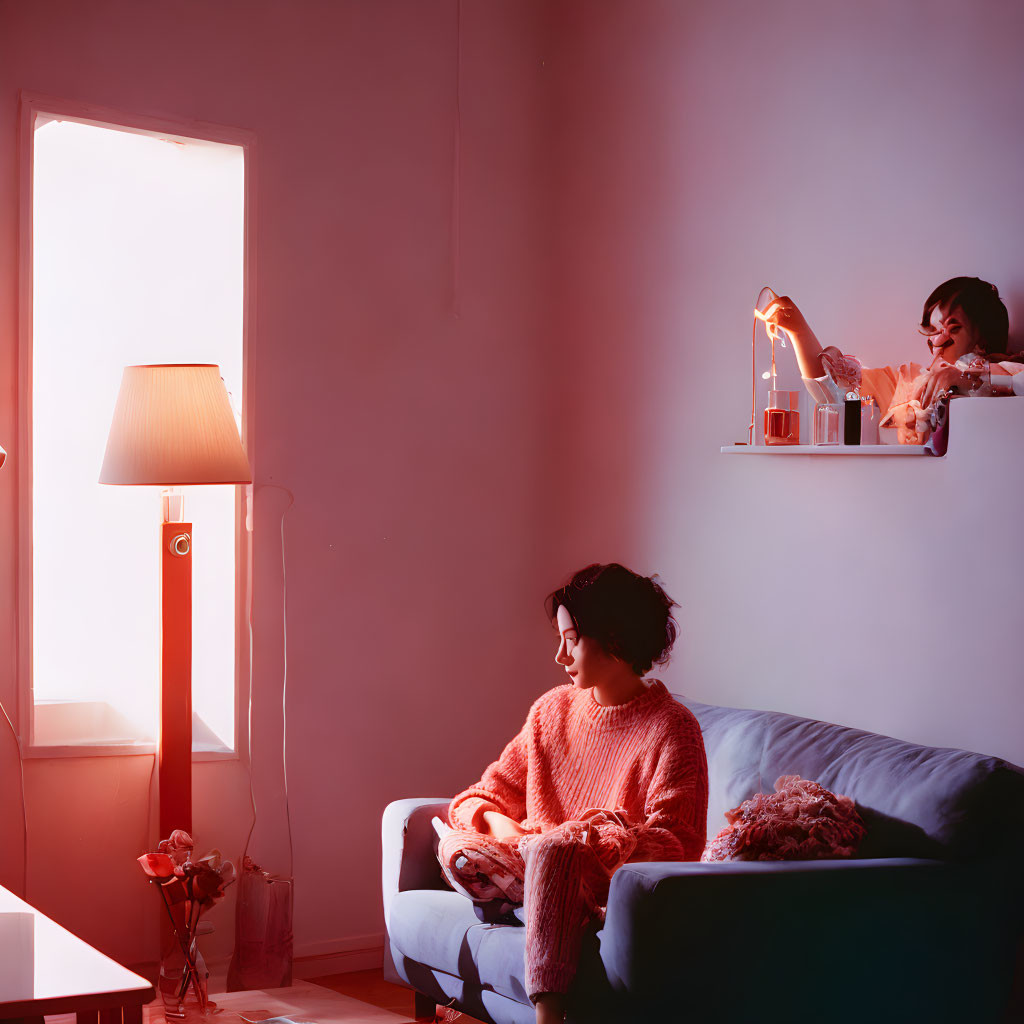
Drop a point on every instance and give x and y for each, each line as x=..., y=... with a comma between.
x=632, y=174
x=413, y=439
x=853, y=156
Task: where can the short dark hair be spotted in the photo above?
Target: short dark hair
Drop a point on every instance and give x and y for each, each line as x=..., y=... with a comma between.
x=629, y=615
x=980, y=303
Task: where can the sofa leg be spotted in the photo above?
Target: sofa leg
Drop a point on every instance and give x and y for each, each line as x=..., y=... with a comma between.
x=425, y=1007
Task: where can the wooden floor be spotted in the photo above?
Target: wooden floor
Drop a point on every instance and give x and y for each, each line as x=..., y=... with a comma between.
x=370, y=987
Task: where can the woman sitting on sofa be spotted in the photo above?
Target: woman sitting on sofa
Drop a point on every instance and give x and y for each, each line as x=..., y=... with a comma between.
x=609, y=768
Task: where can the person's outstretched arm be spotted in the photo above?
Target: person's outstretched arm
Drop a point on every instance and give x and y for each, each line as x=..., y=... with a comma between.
x=784, y=313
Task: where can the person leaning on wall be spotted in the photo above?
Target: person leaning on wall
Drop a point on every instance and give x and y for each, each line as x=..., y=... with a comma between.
x=966, y=329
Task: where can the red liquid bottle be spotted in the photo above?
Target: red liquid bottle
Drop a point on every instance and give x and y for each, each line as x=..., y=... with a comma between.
x=782, y=418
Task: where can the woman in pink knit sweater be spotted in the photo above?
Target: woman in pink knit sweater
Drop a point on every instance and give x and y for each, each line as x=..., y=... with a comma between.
x=608, y=768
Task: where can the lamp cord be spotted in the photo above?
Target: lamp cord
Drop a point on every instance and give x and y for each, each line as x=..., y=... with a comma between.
x=149, y=806
x=284, y=692
x=24, y=806
x=252, y=794
x=284, y=687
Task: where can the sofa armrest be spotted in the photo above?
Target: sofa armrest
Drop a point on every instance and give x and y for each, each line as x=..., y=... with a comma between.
x=409, y=846
x=765, y=939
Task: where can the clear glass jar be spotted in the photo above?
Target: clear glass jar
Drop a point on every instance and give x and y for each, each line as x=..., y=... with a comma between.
x=782, y=418
x=828, y=423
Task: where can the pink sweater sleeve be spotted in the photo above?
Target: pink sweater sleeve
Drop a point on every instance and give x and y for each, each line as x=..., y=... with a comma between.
x=502, y=788
x=677, y=808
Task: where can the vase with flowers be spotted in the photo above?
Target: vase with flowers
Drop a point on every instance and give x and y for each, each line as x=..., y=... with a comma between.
x=188, y=886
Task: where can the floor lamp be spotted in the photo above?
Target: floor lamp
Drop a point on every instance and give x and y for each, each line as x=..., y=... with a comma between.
x=172, y=426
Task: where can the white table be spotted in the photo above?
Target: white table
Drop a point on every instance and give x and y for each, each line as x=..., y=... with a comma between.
x=48, y=970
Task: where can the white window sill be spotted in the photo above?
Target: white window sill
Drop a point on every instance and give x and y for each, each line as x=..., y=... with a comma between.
x=126, y=749
x=67, y=728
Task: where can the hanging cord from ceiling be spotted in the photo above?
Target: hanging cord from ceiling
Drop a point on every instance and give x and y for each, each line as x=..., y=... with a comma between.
x=456, y=225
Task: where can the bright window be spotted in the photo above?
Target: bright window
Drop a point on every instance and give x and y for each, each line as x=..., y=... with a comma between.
x=137, y=258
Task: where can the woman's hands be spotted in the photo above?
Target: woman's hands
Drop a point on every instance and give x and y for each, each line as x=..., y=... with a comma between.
x=502, y=827
x=944, y=376
x=785, y=314
x=603, y=815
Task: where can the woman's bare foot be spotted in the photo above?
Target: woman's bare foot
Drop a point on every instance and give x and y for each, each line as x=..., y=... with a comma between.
x=550, y=1008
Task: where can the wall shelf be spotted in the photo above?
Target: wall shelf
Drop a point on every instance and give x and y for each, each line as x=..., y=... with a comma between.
x=977, y=425
x=824, y=449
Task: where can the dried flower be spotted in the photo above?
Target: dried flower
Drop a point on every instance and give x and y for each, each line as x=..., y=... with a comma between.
x=157, y=865
x=178, y=846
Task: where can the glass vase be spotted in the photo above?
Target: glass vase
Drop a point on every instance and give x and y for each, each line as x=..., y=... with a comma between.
x=182, y=989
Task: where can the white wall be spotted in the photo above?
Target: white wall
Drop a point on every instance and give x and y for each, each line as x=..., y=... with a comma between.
x=910, y=633
x=852, y=156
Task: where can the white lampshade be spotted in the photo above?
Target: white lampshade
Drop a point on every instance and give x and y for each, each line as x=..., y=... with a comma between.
x=173, y=425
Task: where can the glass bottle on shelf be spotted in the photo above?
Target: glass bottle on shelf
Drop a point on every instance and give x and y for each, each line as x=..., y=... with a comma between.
x=782, y=418
x=828, y=421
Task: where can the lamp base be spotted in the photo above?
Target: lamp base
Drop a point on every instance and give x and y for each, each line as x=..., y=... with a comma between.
x=174, y=766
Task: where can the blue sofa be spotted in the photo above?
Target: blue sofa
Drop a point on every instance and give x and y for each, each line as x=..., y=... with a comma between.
x=923, y=925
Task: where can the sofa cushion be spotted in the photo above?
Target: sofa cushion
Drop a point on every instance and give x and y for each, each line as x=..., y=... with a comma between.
x=916, y=801
x=817, y=942
x=440, y=930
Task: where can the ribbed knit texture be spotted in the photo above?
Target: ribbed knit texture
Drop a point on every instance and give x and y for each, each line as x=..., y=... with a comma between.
x=641, y=762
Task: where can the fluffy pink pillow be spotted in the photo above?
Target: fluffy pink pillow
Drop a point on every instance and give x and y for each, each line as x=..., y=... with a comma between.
x=799, y=821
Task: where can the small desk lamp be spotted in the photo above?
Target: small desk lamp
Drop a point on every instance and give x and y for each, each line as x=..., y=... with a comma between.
x=173, y=425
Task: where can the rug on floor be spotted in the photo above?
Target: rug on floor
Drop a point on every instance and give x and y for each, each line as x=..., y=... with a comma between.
x=302, y=1002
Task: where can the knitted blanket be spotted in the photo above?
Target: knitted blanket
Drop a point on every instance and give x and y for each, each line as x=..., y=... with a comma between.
x=801, y=820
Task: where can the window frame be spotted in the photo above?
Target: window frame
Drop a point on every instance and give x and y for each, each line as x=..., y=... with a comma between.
x=32, y=105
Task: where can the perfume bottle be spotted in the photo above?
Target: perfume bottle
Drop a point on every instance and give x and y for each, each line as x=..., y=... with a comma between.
x=827, y=419
x=851, y=420
x=782, y=418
